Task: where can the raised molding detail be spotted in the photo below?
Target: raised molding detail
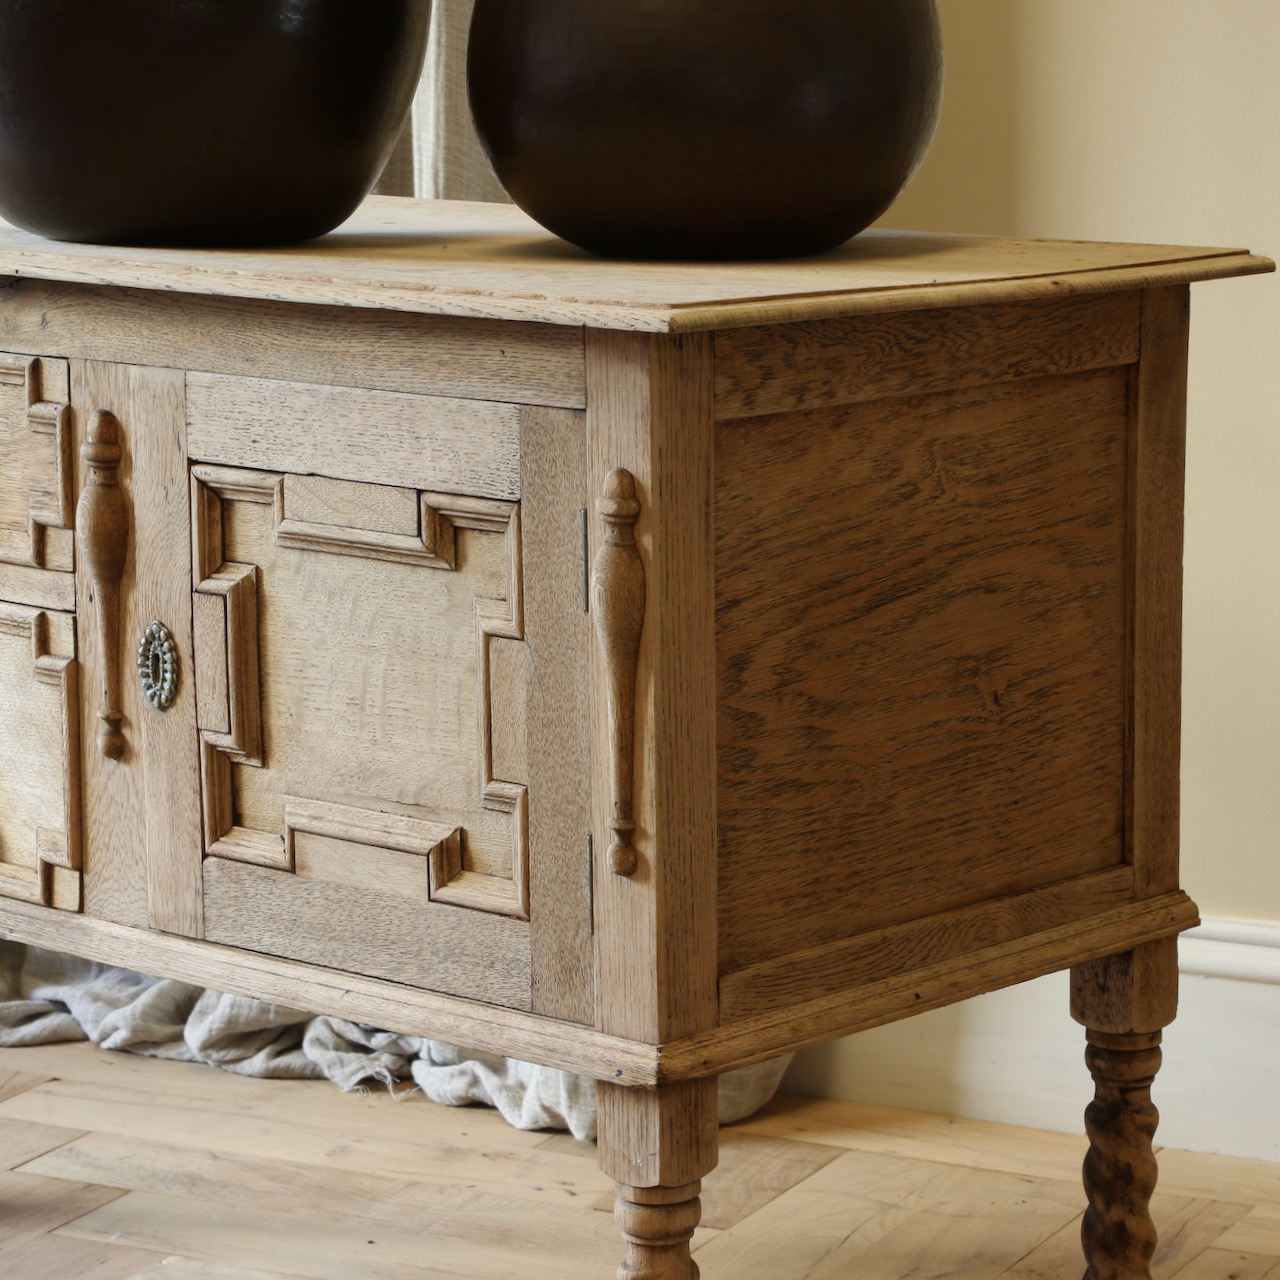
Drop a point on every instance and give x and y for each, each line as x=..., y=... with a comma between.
x=56, y=880
x=618, y=594
x=102, y=527
x=235, y=588
x=227, y=686
x=49, y=541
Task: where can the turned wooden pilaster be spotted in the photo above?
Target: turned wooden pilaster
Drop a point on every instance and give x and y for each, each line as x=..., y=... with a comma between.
x=102, y=537
x=1118, y=1234
x=658, y=1223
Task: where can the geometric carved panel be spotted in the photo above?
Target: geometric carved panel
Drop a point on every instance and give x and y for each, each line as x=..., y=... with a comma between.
x=39, y=758
x=36, y=513
x=361, y=677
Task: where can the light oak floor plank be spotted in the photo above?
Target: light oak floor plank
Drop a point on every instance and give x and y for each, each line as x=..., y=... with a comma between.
x=177, y=1268
x=353, y=1140
x=341, y=1248
x=753, y=1170
x=58, y=1257
x=913, y=1134
x=21, y=1141
x=30, y=1207
x=16, y=1081
x=1257, y=1232
x=201, y=1269
x=1190, y=1173
x=1186, y=1229
x=136, y=1169
x=1228, y=1264
x=378, y=1109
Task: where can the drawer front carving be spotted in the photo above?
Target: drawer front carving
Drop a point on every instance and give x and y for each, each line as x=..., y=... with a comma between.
x=361, y=681
x=36, y=489
x=39, y=758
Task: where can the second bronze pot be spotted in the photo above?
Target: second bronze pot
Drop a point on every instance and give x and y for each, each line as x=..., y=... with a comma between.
x=704, y=128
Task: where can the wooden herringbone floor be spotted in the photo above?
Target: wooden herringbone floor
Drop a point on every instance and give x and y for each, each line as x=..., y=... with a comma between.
x=119, y=1168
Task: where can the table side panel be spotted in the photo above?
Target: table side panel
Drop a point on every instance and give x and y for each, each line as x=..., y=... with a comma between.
x=950, y=935
x=921, y=630
x=786, y=367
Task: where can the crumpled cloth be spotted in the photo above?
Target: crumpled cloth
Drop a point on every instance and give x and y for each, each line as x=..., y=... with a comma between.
x=47, y=997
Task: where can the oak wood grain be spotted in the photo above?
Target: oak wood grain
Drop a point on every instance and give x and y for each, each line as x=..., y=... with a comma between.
x=783, y=368
x=428, y=945
x=417, y=442
x=1117, y=1233
x=921, y=676
x=102, y=528
x=40, y=832
x=649, y=411
x=818, y=971
x=142, y=827
x=343, y=346
x=774, y=1032
x=323, y=989
x=1157, y=465
x=395, y=709
x=491, y=261
x=617, y=593
x=168, y=741
x=43, y=588
x=1135, y=990
x=555, y=735
x=36, y=494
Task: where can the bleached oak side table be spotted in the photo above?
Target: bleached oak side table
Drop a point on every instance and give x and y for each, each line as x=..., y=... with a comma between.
x=643, y=670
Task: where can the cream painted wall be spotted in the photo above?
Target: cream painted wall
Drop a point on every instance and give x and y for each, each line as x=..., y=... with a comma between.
x=1159, y=120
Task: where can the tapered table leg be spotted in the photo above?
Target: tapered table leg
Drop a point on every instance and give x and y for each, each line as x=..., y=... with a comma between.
x=657, y=1144
x=1123, y=1002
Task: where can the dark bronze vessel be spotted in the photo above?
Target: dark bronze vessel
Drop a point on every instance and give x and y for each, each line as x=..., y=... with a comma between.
x=705, y=128
x=200, y=122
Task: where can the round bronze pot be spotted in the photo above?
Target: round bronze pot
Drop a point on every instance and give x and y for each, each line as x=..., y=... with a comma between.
x=705, y=128
x=200, y=122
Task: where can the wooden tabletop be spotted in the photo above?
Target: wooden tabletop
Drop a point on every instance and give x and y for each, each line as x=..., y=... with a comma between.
x=449, y=257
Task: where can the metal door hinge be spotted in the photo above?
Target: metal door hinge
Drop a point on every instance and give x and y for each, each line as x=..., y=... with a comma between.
x=591, y=886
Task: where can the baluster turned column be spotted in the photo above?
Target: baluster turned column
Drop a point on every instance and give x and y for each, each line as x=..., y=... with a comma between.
x=1123, y=1001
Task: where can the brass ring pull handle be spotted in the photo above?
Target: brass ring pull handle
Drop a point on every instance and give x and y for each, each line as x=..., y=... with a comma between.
x=158, y=666
x=102, y=538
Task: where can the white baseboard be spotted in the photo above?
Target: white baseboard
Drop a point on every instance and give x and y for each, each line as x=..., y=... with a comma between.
x=1015, y=1056
x=1241, y=950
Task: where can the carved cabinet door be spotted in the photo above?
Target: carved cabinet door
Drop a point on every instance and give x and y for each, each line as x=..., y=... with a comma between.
x=389, y=647
x=39, y=756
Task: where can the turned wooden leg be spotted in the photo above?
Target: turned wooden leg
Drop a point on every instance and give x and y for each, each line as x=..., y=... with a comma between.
x=1123, y=1001
x=1120, y=1167
x=657, y=1224
x=657, y=1144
